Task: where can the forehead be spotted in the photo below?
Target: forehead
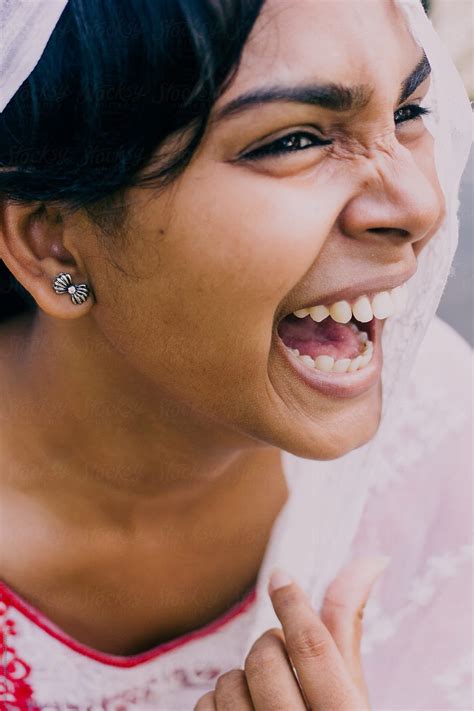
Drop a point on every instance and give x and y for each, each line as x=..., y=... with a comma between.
x=346, y=41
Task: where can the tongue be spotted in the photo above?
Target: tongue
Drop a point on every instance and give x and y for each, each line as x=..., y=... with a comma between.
x=326, y=338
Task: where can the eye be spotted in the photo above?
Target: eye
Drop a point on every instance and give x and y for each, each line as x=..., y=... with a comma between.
x=302, y=140
x=291, y=143
x=410, y=113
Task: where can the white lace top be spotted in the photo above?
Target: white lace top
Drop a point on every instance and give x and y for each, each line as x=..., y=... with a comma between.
x=417, y=627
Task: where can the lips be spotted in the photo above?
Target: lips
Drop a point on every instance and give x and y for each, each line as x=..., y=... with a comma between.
x=380, y=304
x=352, y=301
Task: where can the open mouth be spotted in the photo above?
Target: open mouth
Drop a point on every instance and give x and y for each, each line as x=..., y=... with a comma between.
x=328, y=346
x=339, y=338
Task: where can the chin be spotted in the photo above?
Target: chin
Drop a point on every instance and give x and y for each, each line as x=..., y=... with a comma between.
x=347, y=431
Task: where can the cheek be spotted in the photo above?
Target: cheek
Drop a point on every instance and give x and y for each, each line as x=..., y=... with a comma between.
x=250, y=235
x=234, y=246
x=212, y=267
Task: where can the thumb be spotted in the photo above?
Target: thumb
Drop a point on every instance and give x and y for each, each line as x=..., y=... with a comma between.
x=343, y=607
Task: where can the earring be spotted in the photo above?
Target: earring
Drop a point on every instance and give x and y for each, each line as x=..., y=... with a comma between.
x=63, y=285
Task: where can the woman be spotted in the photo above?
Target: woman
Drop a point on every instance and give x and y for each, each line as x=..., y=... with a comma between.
x=214, y=236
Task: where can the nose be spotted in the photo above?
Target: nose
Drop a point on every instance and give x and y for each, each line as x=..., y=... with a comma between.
x=398, y=195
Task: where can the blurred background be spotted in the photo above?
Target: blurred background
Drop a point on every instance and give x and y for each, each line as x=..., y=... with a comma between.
x=454, y=22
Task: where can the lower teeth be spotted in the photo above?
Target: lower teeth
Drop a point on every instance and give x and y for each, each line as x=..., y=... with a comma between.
x=328, y=364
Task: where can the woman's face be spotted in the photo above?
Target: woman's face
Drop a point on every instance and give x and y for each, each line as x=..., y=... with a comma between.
x=250, y=234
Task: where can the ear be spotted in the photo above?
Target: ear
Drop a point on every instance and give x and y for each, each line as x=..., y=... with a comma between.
x=32, y=238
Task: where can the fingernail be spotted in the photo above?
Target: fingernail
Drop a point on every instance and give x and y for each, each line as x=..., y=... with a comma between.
x=278, y=579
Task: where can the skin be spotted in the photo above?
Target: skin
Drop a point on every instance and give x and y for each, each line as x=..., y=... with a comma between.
x=324, y=650
x=146, y=424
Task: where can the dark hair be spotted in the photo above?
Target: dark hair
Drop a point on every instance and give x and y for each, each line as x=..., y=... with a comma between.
x=116, y=79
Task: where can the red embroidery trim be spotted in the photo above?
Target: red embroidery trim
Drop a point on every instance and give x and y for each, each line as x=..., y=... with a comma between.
x=16, y=693
x=40, y=620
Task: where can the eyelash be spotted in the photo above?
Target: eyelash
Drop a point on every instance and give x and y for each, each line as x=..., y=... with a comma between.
x=277, y=148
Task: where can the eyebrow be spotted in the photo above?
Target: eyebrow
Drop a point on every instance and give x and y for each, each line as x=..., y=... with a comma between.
x=333, y=96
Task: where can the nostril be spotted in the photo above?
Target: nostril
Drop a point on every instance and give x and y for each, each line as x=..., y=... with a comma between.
x=389, y=231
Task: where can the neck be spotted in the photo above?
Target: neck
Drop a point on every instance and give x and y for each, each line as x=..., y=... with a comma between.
x=79, y=421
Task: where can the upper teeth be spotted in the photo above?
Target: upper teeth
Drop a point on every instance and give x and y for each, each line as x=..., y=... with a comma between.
x=382, y=305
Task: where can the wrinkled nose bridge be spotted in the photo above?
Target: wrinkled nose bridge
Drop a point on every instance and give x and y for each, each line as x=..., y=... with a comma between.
x=382, y=162
x=390, y=192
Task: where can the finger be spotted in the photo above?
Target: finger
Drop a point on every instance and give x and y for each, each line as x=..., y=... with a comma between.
x=206, y=703
x=232, y=692
x=319, y=665
x=343, y=609
x=272, y=684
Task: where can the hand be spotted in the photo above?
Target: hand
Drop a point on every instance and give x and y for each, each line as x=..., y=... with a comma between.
x=313, y=662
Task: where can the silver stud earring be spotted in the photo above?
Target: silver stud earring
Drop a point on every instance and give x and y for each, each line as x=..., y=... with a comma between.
x=63, y=285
